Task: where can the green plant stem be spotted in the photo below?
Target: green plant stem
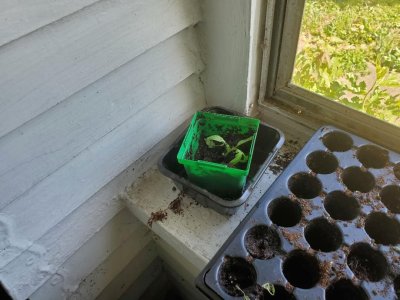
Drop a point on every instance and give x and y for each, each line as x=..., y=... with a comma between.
x=239, y=144
x=367, y=94
x=245, y=297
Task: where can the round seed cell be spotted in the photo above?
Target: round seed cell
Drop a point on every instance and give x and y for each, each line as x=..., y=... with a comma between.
x=390, y=196
x=396, y=170
x=236, y=271
x=305, y=185
x=337, y=141
x=372, y=156
x=323, y=236
x=301, y=269
x=262, y=242
x=367, y=263
x=322, y=162
x=383, y=229
x=341, y=206
x=284, y=212
x=357, y=179
x=345, y=289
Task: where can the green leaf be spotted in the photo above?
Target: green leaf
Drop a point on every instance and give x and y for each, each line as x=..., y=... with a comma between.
x=245, y=297
x=215, y=141
x=325, y=77
x=381, y=72
x=269, y=287
x=363, y=85
x=240, y=157
x=391, y=81
x=241, y=142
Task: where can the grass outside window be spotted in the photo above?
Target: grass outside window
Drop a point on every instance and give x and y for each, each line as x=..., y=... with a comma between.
x=349, y=52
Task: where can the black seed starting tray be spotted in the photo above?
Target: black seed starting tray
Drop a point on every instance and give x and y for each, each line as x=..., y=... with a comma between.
x=328, y=228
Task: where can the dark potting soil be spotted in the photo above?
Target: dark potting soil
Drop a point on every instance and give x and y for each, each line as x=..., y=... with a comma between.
x=361, y=268
x=282, y=160
x=236, y=272
x=216, y=154
x=262, y=242
x=372, y=156
x=397, y=286
x=367, y=263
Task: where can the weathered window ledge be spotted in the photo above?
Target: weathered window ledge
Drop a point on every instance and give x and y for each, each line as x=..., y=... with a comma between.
x=198, y=232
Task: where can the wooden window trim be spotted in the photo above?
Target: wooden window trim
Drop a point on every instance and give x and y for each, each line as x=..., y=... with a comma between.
x=282, y=29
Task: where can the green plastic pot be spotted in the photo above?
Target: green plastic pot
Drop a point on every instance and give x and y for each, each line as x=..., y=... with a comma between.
x=220, y=179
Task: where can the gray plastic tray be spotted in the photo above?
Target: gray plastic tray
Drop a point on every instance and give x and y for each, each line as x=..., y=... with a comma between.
x=269, y=141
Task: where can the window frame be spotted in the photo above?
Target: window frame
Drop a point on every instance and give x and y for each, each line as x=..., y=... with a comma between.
x=282, y=30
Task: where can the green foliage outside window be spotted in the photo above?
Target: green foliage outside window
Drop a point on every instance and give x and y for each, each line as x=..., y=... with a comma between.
x=349, y=51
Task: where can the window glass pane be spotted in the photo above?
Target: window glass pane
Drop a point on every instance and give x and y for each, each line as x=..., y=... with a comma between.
x=349, y=51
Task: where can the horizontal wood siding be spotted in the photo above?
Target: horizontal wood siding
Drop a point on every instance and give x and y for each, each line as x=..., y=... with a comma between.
x=90, y=114
x=88, y=89
x=83, y=222
x=140, y=271
x=17, y=19
x=49, y=65
x=153, y=276
x=99, y=266
x=66, y=189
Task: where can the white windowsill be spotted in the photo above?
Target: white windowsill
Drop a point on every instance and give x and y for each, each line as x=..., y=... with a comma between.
x=199, y=232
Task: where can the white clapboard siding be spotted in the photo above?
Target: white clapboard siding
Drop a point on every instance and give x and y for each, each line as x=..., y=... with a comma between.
x=99, y=257
x=158, y=289
x=33, y=267
x=106, y=272
x=49, y=65
x=59, y=194
x=18, y=18
x=55, y=137
x=83, y=222
x=152, y=275
x=181, y=271
x=187, y=289
x=225, y=34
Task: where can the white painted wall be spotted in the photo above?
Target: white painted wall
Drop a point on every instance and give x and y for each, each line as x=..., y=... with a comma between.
x=88, y=89
x=225, y=42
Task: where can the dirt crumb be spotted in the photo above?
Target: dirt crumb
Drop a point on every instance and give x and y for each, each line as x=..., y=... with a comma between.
x=360, y=222
x=326, y=269
x=162, y=214
x=339, y=270
x=380, y=180
x=289, y=287
x=249, y=259
x=281, y=162
x=159, y=215
x=176, y=204
x=292, y=237
x=306, y=206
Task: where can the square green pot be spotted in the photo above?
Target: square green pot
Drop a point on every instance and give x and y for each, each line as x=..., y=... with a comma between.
x=222, y=180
